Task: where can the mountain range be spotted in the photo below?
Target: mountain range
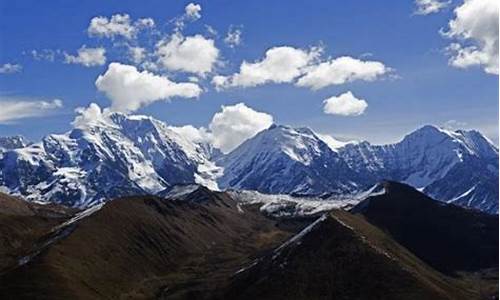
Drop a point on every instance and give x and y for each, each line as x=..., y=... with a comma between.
x=123, y=155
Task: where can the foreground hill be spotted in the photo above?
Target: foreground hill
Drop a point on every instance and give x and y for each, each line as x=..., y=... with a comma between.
x=147, y=247
x=397, y=245
x=22, y=224
x=447, y=237
x=343, y=257
x=200, y=244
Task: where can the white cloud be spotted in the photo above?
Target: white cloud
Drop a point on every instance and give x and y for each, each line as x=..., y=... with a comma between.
x=196, y=135
x=426, y=7
x=280, y=65
x=9, y=68
x=193, y=11
x=345, y=104
x=44, y=54
x=341, y=70
x=211, y=31
x=118, y=25
x=228, y=128
x=15, y=109
x=128, y=89
x=235, y=124
x=90, y=116
x=144, y=23
x=193, y=54
x=233, y=37
x=87, y=57
x=137, y=54
x=475, y=29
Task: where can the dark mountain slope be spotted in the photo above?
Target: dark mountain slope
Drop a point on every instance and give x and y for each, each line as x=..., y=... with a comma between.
x=148, y=247
x=344, y=257
x=22, y=224
x=447, y=237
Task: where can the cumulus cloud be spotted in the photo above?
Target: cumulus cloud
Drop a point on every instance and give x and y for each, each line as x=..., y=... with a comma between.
x=341, y=70
x=345, y=104
x=9, y=68
x=129, y=89
x=15, y=109
x=89, y=116
x=193, y=54
x=233, y=37
x=118, y=25
x=88, y=57
x=228, y=128
x=193, y=11
x=426, y=7
x=236, y=123
x=475, y=30
x=279, y=65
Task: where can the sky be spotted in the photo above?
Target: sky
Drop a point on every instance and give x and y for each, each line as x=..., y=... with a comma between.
x=365, y=70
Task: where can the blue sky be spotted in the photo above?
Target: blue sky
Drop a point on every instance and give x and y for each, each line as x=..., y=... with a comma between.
x=420, y=88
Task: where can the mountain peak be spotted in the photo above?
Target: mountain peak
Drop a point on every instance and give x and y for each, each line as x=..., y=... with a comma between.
x=13, y=142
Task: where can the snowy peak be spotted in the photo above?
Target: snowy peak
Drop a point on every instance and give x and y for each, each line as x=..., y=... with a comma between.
x=300, y=144
x=282, y=159
x=111, y=155
x=471, y=142
x=13, y=142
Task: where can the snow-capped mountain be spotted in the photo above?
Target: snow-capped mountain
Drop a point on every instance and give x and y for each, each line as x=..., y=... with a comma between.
x=458, y=167
x=12, y=142
x=114, y=155
x=285, y=160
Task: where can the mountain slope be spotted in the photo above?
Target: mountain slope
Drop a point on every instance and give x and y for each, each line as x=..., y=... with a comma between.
x=148, y=247
x=22, y=224
x=341, y=256
x=287, y=160
x=447, y=237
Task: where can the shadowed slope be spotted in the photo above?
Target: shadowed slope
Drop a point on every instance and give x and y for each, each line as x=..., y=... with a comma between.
x=447, y=237
x=344, y=257
x=22, y=224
